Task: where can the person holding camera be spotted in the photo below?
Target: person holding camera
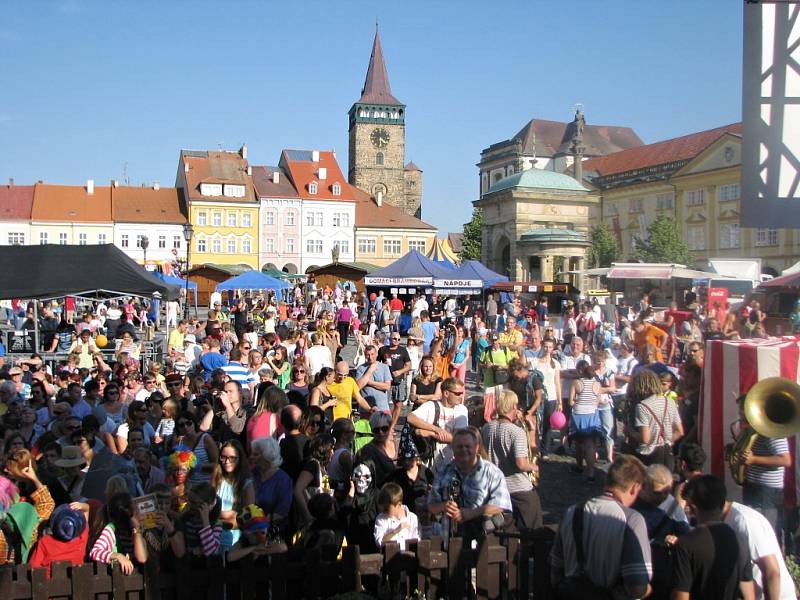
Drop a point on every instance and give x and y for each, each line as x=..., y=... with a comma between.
x=469, y=490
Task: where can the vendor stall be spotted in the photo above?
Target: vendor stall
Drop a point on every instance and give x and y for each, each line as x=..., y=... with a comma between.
x=333, y=273
x=409, y=275
x=778, y=298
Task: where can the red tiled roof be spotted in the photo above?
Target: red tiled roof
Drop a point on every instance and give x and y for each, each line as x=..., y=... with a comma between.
x=680, y=148
x=376, y=86
x=303, y=171
x=386, y=216
x=410, y=166
x=71, y=203
x=547, y=138
x=265, y=188
x=216, y=167
x=146, y=205
x=16, y=202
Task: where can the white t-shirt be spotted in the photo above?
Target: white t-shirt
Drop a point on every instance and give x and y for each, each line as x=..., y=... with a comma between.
x=761, y=540
x=450, y=419
x=147, y=429
x=384, y=523
x=420, y=305
x=625, y=367
x=318, y=357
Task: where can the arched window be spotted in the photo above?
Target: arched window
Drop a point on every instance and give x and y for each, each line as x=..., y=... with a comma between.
x=379, y=158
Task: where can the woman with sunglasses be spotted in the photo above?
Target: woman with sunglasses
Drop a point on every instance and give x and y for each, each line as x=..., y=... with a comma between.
x=313, y=422
x=189, y=437
x=137, y=419
x=313, y=474
x=231, y=479
x=381, y=452
x=297, y=391
x=112, y=406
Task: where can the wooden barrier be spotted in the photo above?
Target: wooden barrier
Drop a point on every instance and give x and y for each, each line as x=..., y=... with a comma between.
x=515, y=567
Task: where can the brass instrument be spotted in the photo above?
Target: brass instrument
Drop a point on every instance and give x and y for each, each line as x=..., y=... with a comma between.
x=772, y=409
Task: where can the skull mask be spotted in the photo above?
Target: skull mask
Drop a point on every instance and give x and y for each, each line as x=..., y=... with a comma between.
x=362, y=477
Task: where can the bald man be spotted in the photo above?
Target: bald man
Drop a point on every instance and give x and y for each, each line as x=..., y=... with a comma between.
x=345, y=389
x=294, y=443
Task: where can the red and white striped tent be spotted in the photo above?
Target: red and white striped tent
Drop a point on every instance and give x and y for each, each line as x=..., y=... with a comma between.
x=731, y=369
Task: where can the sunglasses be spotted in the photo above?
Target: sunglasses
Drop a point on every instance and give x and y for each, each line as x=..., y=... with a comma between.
x=461, y=393
x=224, y=458
x=246, y=348
x=300, y=371
x=384, y=429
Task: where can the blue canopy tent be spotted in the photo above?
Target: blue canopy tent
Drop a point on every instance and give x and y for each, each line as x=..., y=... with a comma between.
x=474, y=270
x=179, y=281
x=252, y=280
x=413, y=269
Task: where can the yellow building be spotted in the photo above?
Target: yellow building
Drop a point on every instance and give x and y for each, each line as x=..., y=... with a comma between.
x=384, y=232
x=694, y=180
x=222, y=206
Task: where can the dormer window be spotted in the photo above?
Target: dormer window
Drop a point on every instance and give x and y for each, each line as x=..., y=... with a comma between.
x=234, y=191
x=312, y=187
x=211, y=189
x=336, y=189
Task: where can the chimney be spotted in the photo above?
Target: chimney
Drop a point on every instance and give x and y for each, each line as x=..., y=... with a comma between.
x=10, y=182
x=90, y=186
x=379, y=198
x=276, y=177
x=323, y=173
x=156, y=186
x=185, y=167
x=249, y=171
x=243, y=151
x=315, y=155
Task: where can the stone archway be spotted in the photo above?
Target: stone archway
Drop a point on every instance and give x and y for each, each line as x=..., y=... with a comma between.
x=290, y=268
x=502, y=256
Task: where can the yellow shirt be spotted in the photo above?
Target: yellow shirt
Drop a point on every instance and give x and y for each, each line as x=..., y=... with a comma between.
x=343, y=392
x=176, y=340
x=511, y=338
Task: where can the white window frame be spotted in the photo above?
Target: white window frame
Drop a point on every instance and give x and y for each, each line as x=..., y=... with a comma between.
x=246, y=246
x=392, y=246
x=665, y=201
x=695, y=197
x=314, y=246
x=42, y=238
x=765, y=237
x=123, y=239
x=418, y=245
x=231, y=247
x=336, y=189
x=176, y=242
x=216, y=218
x=696, y=237
x=290, y=218
x=216, y=246
x=269, y=245
x=202, y=218
x=16, y=238
x=162, y=242
x=232, y=219
x=290, y=245
x=367, y=245
x=344, y=246
x=312, y=188
x=247, y=220
x=101, y=238
x=269, y=217
x=200, y=245
x=729, y=191
x=729, y=235
x=83, y=239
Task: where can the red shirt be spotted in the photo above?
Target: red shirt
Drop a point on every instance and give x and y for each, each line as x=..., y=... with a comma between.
x=395, y=304
x=49, y=550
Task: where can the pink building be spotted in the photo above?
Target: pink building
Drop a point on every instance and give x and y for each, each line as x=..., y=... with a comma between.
x=279, y=219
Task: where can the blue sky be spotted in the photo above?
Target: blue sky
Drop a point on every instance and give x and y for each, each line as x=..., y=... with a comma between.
x=89, y=87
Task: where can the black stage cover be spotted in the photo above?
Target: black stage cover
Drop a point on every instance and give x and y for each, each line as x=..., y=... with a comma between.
x=53, y=271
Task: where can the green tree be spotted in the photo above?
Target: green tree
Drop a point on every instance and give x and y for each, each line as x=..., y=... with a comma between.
x=605, y=247
x=664, y=244
x=471, y=244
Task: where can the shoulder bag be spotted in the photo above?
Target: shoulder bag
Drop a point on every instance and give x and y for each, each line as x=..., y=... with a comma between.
x=580, y=587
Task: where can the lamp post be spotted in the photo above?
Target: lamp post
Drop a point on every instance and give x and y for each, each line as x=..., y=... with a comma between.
x=144, y=244
x=188, y=232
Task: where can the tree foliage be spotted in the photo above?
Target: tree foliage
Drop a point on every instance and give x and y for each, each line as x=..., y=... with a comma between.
x=605, y=247
x=664, y=244
x=471, y=244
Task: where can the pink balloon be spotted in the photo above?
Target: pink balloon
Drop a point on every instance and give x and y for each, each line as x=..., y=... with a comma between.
x=558, y=420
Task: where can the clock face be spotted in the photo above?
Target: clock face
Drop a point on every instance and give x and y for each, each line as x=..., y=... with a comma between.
x=379, y=137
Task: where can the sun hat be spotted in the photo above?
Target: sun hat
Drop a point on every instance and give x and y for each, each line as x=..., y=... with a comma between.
x=70, y=457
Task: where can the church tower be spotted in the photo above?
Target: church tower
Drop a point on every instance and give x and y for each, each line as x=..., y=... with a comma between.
x=376, y=157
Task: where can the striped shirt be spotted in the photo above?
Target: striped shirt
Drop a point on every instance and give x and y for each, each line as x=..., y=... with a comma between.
x=586, y=398
x=505, y=443
x=239, y=373
x=615, y=545
x=767, y=476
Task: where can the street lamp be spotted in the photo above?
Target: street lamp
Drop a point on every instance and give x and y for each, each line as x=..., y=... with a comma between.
x=144, y=244
x=188, y=232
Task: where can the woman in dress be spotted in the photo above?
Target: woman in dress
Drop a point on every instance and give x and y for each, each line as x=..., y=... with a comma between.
x=460, y=354
x=231, y=479
x=426, y=385
x=585, y=427
x=112, y=406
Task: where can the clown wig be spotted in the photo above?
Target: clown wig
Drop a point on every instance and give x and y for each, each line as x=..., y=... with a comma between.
x=8, y=493
x=181, y=459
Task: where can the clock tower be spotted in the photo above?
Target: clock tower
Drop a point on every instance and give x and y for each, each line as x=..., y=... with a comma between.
x=376, y=157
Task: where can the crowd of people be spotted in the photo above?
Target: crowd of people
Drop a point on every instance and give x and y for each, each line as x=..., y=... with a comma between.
x=334, y=418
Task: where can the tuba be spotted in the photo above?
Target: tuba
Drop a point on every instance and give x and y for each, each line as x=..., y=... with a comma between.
x=772, y=409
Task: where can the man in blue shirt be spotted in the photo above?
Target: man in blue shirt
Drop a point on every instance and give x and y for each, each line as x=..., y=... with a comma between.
x=212, y=359
x=429, y=331
x=374, y=379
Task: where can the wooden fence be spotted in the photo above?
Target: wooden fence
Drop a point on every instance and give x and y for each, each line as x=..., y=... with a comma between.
x=512, y=567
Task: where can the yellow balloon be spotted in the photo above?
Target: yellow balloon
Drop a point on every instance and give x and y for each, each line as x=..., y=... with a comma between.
x=101, y=341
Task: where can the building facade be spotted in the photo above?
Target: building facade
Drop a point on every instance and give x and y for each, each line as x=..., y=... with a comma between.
x=280, y=219
x=16, y=204
x=221, y=205
x=327, y=217
x=69, y=214
x=695, y=181
x=377, y=131
x=548, y=145
x=154, y=213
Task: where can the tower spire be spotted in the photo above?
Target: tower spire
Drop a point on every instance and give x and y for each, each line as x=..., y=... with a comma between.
x=376, y=85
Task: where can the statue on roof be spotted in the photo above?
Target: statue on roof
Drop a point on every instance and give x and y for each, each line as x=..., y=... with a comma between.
x=580, y=123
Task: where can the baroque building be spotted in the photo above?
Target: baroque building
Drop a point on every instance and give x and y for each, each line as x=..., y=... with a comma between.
x=377, y=131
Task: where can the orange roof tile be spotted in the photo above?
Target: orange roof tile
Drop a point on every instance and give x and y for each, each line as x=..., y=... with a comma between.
x=386, y=216
x=16, y=202
x=214, y=166
x=146, y=205
x=71, y=203
x=660, y=153
x=304, y=171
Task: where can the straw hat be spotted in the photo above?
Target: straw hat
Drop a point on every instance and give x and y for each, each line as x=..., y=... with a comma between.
x=71, y=457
